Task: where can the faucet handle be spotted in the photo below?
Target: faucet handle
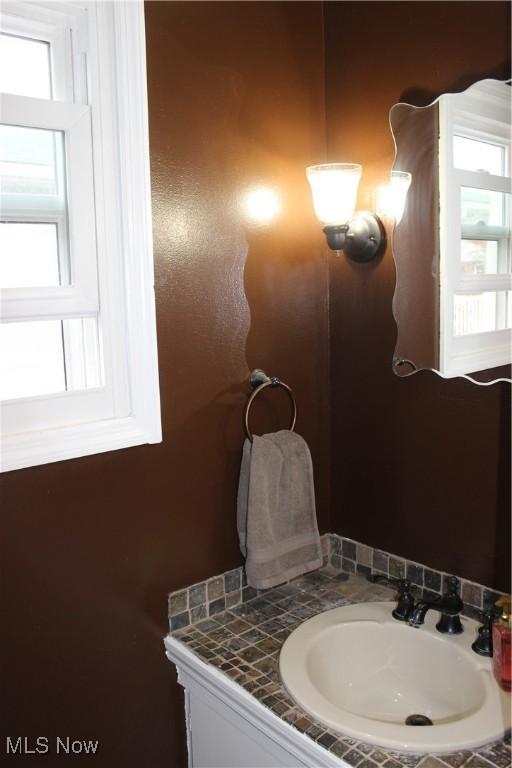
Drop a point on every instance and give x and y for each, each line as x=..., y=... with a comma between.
x=483, y=643
x=405, y=602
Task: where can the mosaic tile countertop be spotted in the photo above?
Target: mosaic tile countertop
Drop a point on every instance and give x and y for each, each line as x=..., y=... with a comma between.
x=244, y=643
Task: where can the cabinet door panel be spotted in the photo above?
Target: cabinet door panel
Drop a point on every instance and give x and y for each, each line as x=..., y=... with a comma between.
x=221, y=738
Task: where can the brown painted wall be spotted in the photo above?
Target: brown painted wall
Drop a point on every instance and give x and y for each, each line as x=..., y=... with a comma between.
x=420, y=466
x=91, y=547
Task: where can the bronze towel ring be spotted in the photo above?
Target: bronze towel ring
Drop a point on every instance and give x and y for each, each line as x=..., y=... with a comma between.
x=260, y=381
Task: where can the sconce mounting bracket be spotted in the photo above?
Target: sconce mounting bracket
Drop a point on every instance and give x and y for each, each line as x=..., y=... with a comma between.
x=336, y=236
x=361, y=239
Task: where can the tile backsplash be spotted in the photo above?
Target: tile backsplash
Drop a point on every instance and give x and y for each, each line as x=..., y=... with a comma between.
x=353, y=557
x=207, y=598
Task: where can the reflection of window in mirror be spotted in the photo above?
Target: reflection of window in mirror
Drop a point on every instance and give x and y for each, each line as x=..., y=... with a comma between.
x=475, y=245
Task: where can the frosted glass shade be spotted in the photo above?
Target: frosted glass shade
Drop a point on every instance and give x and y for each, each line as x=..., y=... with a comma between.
x=334, y=189
x=391, y=197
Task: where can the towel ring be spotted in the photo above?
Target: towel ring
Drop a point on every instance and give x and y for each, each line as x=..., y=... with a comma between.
x=273, y=382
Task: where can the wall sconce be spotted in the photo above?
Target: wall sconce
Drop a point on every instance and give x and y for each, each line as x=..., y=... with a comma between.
x=334, y=188
x=391, y=197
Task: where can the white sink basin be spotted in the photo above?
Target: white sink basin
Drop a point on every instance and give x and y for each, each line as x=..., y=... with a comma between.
x=361, y=672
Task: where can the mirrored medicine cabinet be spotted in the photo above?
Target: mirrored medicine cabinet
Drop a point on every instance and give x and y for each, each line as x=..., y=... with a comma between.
x=452, y=247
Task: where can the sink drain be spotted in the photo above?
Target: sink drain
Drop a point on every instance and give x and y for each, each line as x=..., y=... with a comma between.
x=418, y=720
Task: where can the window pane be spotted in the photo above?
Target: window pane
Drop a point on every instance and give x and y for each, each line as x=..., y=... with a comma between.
x=483, y=208
x=29, y=255
x=32, y=359
x=33, y=207
x=49, y=356
x=32, y=162
x=482, y=312
x=474, y=155
x=25, y=67
x=484, y=257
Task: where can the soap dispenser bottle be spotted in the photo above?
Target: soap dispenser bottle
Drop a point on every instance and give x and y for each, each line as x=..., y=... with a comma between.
x=501, y=634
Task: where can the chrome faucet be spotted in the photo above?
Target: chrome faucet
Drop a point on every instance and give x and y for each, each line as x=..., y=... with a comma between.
x=449, y=605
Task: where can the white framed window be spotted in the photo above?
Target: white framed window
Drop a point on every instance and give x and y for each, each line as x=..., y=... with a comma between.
x=475, y=229
x=78, y=360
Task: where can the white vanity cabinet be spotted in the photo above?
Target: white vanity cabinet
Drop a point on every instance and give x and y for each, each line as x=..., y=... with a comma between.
x=229, y=728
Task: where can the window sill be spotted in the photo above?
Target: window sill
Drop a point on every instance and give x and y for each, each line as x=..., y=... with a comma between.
x=34, y=448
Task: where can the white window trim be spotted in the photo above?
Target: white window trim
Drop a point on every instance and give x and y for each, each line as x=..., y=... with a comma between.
x=124, y=198
x=464, y=355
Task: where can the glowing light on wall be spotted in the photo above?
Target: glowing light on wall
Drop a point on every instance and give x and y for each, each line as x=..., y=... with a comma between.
x=261, y=205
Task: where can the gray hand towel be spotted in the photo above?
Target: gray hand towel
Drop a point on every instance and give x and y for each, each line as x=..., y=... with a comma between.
x=276, y=515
